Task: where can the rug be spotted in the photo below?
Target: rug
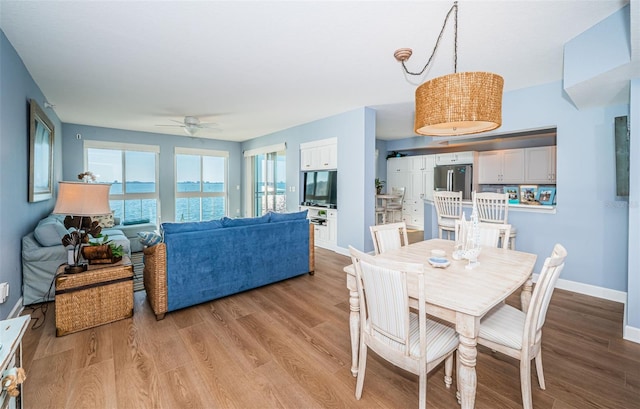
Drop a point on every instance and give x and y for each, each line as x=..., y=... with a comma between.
x=138, y=266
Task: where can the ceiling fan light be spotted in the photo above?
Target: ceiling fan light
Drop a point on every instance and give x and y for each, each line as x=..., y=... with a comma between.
x=190, y=130
x=459, y=104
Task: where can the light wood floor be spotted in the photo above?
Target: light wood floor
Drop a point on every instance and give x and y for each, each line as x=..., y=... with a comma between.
x=286, y=345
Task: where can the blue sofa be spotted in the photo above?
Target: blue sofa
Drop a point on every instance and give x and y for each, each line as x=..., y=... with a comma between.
x=203, y=261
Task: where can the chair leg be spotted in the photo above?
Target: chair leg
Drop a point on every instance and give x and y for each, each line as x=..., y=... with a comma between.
x=362, y=364
x=458, y=378
x=448, y=371
x=539, y=370
x=423, y=390
x=525, y=383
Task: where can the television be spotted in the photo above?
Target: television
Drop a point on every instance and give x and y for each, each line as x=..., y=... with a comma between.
x=320, y=188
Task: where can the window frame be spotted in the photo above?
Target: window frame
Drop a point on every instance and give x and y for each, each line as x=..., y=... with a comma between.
x=128, y=147
x=201, y=194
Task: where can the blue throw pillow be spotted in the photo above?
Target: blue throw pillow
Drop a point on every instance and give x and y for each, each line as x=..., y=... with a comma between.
x=247, y=221
x=191, y=226
x=49, y=232
x=149, y=238
x=281, y=217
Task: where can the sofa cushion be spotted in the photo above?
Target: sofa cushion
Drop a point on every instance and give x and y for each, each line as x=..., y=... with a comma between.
x=49, y=232
x=246, y=221
x=149, y=238
x=282, y=217
x=191, y=226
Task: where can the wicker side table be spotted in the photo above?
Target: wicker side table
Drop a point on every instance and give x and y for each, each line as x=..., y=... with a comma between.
x=100, y=295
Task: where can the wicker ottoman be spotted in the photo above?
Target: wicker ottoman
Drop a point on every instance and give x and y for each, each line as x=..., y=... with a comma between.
x=100, y=295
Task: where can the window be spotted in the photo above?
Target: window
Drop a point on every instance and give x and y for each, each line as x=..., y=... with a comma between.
x=201, y=187
x=267, y=173
x=132, y=171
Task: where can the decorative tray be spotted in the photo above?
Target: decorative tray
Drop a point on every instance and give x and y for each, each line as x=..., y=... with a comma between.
x=439, y=262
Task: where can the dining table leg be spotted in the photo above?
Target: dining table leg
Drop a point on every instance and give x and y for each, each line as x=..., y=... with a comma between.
x=354, y=323
x=525, y=295
x=467, y=328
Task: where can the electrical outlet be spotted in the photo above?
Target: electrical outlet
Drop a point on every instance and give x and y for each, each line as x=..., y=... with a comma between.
x=4, y=292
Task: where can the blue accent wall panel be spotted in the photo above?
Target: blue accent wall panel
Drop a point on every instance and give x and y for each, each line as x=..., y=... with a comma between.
x=17, y=216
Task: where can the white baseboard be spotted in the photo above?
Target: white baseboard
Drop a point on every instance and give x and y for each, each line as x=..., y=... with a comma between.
x=631, y=334
x=17, y=309
x=591, y=290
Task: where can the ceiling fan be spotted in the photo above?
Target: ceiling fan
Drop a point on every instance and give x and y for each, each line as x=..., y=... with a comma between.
x=191, y=125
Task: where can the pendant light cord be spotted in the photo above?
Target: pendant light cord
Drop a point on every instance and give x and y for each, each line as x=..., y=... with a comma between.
x=455, y=46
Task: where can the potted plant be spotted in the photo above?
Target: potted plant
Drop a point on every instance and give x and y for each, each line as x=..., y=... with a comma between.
x=379, y=185
x=102, y=251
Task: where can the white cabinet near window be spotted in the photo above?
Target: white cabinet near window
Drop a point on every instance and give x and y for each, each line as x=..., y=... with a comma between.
x=540, y=164
x=319, y=155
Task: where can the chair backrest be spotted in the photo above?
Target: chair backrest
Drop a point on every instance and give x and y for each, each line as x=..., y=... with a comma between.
x=541, y=296
x=490, y=234
x=389, y=236
x=493, y=207
x=448, y=204
x=384, y=305
x=396, y=202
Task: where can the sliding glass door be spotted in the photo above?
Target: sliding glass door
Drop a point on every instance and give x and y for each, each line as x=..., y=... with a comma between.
x=269, y=182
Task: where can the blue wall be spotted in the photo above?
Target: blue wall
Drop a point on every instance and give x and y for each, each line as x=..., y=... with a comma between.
x=17, y=216
x=633, y=295
x=73, y=159
x=355, y=131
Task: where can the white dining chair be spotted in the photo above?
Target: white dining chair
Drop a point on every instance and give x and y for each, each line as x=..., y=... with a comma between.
x=448, y=209
x=389, y=236
x=490, y=234
x=518, y=334
x=395, y=205
x=391, y=329
x=494, y=208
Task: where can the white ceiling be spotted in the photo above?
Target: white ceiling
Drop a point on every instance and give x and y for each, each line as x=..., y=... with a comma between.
x=256, y=67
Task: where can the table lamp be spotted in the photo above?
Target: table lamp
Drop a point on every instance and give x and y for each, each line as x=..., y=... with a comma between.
x=79, y=199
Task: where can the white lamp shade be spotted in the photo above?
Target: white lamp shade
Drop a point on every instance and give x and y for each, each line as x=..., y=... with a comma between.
x=82, y=199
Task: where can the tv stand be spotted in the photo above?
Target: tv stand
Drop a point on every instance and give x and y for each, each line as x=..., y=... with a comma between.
x=325, y=221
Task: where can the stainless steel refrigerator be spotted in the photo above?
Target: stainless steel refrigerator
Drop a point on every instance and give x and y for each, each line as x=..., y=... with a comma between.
x=454, y=178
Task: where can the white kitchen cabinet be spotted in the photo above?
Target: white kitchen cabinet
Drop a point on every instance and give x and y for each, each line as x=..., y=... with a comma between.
x=455, y=158
x=415, y=174
x=319, y=155
x=325, y=227
x=540, y=164
x=505, y=166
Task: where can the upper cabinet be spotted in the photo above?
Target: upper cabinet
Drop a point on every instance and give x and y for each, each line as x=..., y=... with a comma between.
x=501, y=166
x=541, y=164
x=527, y=165
x=455, y=158
x=318, y=155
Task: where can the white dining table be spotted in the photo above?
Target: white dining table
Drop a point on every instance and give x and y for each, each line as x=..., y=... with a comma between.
x=457, y=295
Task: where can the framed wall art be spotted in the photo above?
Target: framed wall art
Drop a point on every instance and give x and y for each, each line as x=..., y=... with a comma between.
x=41, y=136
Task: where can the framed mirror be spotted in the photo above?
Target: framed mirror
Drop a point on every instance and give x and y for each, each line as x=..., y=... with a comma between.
x=41, y=134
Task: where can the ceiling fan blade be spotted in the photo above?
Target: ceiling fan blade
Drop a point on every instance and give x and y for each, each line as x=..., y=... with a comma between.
x=172, y=126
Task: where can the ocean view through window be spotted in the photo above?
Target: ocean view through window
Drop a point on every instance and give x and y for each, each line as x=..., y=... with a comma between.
x=201, y=192
x=132, y=171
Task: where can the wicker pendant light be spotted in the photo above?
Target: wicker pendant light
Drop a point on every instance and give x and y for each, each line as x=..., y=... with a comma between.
x=456, y=104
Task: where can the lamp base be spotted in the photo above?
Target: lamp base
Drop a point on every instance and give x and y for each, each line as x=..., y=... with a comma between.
x=75, y=269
